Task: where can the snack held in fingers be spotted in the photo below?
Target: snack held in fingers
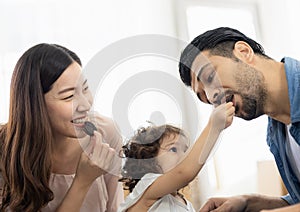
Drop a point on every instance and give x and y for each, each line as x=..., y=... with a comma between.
x=89, y=128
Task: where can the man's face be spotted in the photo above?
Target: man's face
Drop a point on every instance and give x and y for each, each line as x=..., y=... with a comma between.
x=217, y=79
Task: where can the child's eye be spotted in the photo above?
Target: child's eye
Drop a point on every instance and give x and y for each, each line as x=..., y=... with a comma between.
x=173, y=149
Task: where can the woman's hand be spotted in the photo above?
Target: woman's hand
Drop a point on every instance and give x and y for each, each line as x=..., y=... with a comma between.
x=98, y=158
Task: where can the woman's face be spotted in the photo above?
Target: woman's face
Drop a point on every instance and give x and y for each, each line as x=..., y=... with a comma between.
x=68, y=103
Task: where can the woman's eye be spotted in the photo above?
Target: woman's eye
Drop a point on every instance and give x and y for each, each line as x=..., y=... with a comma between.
x=86, y=88
x=173, y=149
x=68, y=97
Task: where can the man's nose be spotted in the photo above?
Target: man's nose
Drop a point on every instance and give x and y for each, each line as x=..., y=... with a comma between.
x=216, y=96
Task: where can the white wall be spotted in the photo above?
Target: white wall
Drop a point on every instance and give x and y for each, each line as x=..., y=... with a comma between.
x=84, y=27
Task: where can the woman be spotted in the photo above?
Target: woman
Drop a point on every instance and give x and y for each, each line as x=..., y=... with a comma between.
x=44, y=167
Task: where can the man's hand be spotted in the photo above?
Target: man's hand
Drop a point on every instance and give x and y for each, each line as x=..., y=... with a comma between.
x=236, y=204
x=292, y=208
x=243, y=203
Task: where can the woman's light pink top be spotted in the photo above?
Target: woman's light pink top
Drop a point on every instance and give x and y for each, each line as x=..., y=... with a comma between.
x=97, y=197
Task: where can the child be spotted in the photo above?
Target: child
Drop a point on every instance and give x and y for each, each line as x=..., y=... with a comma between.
x=155, y=167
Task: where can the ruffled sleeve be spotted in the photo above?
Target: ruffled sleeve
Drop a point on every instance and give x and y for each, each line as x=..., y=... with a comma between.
x=138, y=191
x=110, y=131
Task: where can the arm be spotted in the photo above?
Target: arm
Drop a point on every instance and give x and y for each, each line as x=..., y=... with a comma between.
x=89, y=168
x=78, y=190
x=259, y=202
x=286, y=209
x=115, y=192
x=112, y=136
x=114, y=187
x=188, y=169
x=243, y=203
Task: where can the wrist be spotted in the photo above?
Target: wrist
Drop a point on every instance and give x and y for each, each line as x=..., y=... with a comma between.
x=256, y=202
x=80, y=185
x=213, y=128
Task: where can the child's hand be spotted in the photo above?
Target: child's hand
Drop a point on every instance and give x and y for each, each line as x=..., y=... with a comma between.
x=222, y=116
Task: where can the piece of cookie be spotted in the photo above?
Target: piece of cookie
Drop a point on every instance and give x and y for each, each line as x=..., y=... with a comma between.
x=89, y=128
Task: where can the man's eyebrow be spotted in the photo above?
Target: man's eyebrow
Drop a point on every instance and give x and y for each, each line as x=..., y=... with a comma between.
x=201, y=70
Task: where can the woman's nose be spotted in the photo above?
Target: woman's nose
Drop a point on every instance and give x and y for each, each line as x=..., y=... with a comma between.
x=84, y=104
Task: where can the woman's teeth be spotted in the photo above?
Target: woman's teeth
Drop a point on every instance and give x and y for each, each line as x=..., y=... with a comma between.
x=78, y=121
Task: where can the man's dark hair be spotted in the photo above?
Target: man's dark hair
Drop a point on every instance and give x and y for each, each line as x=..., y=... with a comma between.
x=219, y=41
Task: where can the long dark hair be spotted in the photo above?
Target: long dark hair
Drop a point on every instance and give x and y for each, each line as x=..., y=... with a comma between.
x=27, y=137
x=141, y=151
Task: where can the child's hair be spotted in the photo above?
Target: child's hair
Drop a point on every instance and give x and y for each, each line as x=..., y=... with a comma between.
x=141, y=151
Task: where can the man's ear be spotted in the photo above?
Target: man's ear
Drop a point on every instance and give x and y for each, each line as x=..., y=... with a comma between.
x=243, y=52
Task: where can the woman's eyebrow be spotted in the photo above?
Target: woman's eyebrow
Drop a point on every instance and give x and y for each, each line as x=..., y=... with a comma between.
x=71, y=88
x=66, y=90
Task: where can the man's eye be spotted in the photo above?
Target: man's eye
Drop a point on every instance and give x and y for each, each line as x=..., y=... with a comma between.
x=210, y=77
x=173, y=149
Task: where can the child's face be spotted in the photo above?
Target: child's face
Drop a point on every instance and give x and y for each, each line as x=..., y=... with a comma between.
x=172, y=151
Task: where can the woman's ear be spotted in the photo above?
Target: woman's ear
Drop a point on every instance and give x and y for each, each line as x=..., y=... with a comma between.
x=243, y=52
